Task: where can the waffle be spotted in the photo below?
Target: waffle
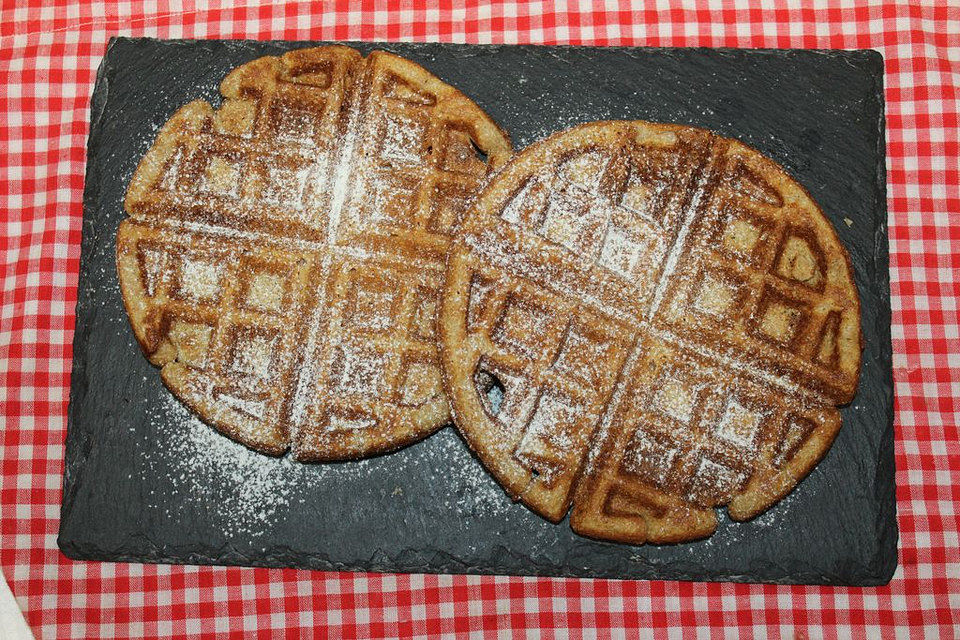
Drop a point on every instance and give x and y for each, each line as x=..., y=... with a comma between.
x=283, y=252
x=647, y=322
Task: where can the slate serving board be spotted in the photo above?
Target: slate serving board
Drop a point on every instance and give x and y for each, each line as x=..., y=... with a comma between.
x=146, y=482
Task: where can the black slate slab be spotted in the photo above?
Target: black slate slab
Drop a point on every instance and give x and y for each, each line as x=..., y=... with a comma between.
x=146, y=482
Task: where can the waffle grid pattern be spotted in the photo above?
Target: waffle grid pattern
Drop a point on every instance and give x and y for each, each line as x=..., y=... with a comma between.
x=279, y=166
x=707, y=424
x=48, y=58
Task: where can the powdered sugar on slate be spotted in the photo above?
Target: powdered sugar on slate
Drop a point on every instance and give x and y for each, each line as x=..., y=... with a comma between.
x=245, y=494
x=472, y=490
x=243, y=491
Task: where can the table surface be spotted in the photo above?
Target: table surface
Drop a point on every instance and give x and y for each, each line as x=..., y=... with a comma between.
x=48, y=60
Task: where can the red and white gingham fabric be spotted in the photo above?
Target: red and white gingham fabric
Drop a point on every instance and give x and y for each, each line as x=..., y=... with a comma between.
x=49, y=52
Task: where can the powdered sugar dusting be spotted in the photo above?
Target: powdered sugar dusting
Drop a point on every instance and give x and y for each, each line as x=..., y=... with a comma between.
x=245, y=492
x=472, y=490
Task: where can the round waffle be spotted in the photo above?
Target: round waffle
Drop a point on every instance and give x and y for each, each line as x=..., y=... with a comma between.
x=283, y=254
x=647, y=322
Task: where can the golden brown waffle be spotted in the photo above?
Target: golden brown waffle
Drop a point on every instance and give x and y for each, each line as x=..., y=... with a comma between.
x=283, y=253
x=671, y=322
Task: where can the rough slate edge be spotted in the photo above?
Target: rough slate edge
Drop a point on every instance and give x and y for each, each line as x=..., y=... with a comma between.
x=650, y=563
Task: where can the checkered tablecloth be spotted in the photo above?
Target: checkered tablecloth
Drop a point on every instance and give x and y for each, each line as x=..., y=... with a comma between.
x=49, y=52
